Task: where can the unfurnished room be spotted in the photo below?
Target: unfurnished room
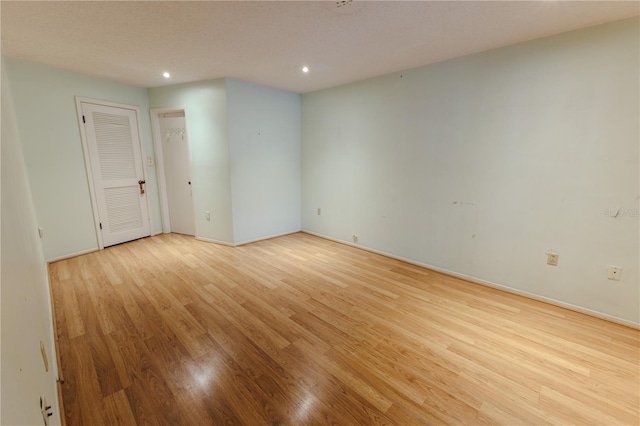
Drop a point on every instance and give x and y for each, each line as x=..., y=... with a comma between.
x=320, y=212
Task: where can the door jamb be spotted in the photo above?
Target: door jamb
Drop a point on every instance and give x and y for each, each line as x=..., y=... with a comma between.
x=87, y=160
x=160, y=173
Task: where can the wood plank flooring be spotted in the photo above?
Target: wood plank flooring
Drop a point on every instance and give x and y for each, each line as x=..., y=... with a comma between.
x=300, y=330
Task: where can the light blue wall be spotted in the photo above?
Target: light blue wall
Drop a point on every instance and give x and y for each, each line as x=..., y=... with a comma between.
x=206, y=117
x=480, y=164
x=47, y=119
x=264, y=142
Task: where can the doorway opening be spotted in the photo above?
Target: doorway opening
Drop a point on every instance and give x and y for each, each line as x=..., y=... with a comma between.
x=173, y=167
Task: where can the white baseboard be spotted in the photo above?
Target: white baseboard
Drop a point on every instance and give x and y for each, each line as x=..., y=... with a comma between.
x=489, y=283
x=267, y=237
x=68, y=256
x=241, y=243
x=210, y=240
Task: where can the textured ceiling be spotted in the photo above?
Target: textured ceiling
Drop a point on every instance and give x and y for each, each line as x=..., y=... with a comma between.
x=269, y=42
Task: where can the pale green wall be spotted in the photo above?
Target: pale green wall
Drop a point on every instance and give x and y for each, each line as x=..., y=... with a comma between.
x=480, y=164
x=26, y=306
x=206, y=117
x=47, y=120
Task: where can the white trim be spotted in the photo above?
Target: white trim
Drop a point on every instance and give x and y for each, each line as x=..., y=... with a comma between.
x=162, y=182
x=54, y=341
x=242, y=243
x=87, y=161
x=87, y=166
x=512, y=290
x=160, y=173
x=209, y=240
x=105, y=103
x=52, y=334
x=266, y=238
x=144, y=168
x=68, y=256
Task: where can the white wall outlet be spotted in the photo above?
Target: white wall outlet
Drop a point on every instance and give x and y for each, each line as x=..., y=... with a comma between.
x=150, y=160
x=207, y=215
x=355, y=238
x=41, y=232
x=319, y=211
x=613, y=272
x=552, y=258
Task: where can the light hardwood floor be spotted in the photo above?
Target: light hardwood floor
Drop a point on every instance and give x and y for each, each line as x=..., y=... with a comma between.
x=300, y=330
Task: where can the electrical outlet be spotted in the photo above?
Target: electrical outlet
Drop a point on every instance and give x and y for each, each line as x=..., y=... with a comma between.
x=207, y=215
x=355, y=238
x=319, y=211
x=552, y=258
x=150, y=160
x=613, y=272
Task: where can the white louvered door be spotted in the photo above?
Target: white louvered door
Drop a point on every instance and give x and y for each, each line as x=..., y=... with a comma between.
x=116, y=165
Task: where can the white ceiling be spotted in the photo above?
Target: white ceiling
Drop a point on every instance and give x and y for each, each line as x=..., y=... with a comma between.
x=268, y=42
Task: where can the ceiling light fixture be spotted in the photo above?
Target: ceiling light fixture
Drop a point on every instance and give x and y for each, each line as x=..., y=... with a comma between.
x=305, y=69
x=166, y=74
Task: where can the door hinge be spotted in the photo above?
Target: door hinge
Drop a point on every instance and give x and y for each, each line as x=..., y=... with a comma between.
x=83, y=120
x=101, y=226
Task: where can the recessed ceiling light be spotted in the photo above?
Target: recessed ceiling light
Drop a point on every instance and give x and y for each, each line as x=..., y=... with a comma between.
x=305, y=69
x=166, y=74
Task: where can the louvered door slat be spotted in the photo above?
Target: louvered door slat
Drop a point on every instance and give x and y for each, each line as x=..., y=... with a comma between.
x=115, y=147
x=123, y=208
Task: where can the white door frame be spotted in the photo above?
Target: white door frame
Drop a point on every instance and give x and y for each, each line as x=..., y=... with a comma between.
x=162, y=177
x=87, y=160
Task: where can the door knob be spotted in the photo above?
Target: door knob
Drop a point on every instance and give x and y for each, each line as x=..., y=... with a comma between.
x=141, y=182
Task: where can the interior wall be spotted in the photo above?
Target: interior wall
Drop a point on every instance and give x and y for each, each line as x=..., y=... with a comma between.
x=206, y=118
x=24, y=294
x=48, y=122
x=264, y=144
x=480, y=164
